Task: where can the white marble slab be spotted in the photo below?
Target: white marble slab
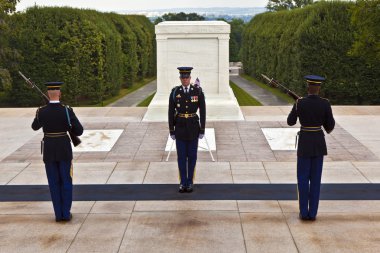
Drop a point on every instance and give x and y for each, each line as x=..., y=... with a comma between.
x=202, y=145
x=98, y=140
x=281, y=138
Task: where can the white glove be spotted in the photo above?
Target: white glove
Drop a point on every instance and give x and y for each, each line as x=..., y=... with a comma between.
x=173, y=137
x=201, y=136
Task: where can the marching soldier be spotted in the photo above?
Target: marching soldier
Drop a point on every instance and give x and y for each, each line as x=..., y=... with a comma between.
x=55, y=120
x=313, y=112
x=185, y=126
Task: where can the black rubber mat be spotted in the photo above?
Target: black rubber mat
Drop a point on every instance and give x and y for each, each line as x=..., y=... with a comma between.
x=114, y=192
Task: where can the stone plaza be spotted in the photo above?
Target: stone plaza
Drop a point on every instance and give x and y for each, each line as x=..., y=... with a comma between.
x=155, y=221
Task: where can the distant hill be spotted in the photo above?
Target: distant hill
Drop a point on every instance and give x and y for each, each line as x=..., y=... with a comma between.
x=226, y=13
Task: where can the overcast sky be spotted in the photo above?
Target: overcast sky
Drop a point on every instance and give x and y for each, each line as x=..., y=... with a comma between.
x=117, y=5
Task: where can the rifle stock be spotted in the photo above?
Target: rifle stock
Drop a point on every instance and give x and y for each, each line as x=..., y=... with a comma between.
x=75, y=139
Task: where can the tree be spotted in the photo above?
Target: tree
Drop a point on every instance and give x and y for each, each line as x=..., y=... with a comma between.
x=237, y=26
x=7, y=55
x=278, y=5
x=8, y=6
x=179, y=17
x=366, y=19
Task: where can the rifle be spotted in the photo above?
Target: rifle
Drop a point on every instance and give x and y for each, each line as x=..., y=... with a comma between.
x=274, y=83
x=75, y=139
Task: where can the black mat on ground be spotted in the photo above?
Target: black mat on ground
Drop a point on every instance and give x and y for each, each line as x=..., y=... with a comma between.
x=114, y=192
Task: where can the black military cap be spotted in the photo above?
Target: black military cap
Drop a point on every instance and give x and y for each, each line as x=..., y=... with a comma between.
x=184, y=72
x=314, y=80
x=53, y=85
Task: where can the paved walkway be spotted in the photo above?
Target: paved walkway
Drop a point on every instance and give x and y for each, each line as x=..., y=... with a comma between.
x=134, y=98
x=243, y=157
x=263, y=96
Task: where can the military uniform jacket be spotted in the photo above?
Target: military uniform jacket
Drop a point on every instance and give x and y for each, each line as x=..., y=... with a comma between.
x=181, y=103
x=53, y=120
x=312, y=111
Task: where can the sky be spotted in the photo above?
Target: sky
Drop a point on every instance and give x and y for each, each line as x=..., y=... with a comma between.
x=118, y=5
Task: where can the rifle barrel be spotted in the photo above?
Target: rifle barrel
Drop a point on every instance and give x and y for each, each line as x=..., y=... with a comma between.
x=266, y=78
x=278, y=84
x=27, y=80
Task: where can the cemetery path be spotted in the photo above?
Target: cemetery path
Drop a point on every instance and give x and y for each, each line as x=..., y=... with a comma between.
x=134, y=98
x=263, y=96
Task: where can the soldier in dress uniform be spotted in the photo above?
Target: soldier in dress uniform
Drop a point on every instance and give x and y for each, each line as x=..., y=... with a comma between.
x=56, y=147
x=313, y=113
x=185, y=126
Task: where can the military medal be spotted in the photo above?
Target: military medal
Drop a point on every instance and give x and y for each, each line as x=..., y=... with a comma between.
x=178, y=105
x=194, y=99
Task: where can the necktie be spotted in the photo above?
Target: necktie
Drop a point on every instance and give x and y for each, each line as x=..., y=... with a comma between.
x=186, y=90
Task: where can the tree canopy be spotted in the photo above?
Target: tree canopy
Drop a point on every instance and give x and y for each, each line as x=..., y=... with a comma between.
x=8, y=6
x=7, y=55
x=181, y=16
x=366, y=19
x=94, y=53
x=316, y=39
x=237, y=27
x=279, y=5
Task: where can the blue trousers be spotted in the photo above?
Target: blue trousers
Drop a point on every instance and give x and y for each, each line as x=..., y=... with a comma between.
x=187, y=158
x=59, y=175
x=309, y=173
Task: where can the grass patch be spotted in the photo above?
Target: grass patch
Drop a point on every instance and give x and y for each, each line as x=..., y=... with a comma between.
x=146, y=102
x=243, y=98
x=275, y=91
x=123, y=92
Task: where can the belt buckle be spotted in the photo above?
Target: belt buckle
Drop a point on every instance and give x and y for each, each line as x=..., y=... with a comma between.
x=186, y=115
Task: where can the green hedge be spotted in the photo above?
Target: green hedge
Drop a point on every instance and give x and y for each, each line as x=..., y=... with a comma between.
x=316, y=39
x=94, y=53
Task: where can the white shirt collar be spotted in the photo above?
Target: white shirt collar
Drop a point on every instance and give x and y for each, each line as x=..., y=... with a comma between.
x=54, y=101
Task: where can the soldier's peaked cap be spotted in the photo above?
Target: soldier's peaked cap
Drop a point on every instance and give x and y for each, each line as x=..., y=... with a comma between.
x=53, y=85
x=184, y=71
x=314, y=80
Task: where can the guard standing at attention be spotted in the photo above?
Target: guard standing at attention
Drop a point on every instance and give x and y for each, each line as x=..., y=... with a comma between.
x=313, y=112
x=56, y=119
x=185, y=126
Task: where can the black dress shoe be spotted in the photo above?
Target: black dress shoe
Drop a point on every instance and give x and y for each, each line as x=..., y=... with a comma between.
x=304, y=217
x=189, y=188
x=58, y=219
x=181, y=188
x=312, y=218
x=68, y=219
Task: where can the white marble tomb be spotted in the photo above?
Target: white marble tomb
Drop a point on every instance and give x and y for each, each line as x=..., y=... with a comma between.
x=203, y=45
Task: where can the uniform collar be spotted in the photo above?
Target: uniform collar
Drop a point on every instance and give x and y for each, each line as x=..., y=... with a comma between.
x=54, y=102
